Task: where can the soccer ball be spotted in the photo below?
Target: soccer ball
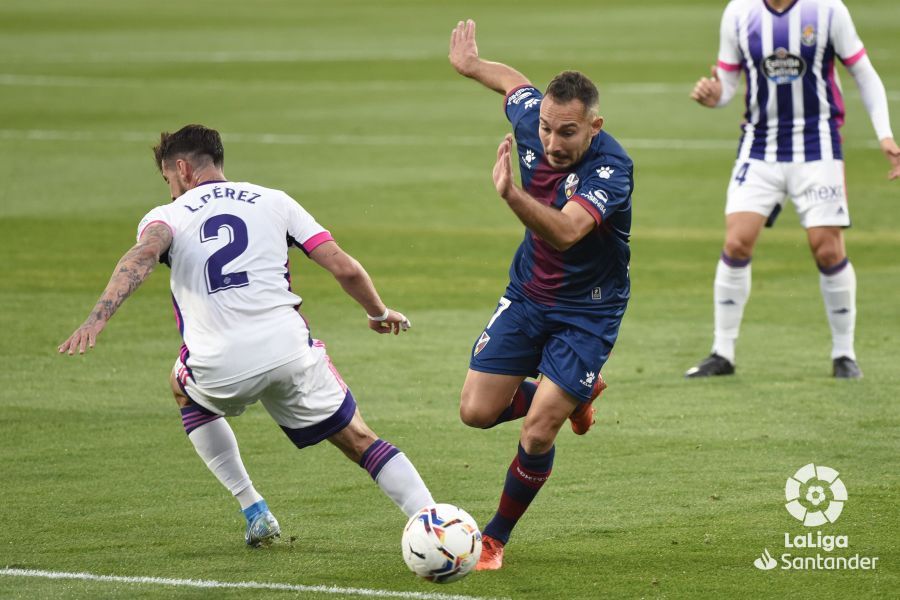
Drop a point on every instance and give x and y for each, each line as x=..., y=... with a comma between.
x=441, y=543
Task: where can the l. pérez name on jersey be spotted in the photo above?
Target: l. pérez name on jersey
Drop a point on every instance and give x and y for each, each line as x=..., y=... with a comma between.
x=224, y=192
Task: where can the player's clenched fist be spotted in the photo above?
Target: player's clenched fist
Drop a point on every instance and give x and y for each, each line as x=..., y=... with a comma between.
x=708, y=90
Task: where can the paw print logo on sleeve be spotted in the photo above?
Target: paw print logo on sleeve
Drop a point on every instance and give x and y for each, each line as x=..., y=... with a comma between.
x=528, y=159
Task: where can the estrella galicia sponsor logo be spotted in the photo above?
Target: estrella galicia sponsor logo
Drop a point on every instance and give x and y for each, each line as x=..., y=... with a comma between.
x=783, y=67
x=815, y=496
x=519, y=95
x=571, y=184
x=481, y=343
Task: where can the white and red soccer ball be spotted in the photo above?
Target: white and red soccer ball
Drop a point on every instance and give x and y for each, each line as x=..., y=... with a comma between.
x=441, y=543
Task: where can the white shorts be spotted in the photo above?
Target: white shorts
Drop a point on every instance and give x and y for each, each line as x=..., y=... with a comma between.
x=306, y=396
x=817, y=189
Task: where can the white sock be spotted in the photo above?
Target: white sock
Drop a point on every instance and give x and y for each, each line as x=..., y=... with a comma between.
x=839, y=294
x=402, y=484
x=730, y=292
x=217, y=446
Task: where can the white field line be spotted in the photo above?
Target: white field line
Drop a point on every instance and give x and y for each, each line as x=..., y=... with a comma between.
x=324, y=86
x=299, y=139
x=254, y=585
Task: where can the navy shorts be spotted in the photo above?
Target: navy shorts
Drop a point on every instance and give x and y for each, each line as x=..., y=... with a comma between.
x=567, y=345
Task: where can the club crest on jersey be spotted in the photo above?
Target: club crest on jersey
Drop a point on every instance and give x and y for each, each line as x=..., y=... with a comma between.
x=808, y=38
x=783, y=67
x=482, y=342
x=571, y=184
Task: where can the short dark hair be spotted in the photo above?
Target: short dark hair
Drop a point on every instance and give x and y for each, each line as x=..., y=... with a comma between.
x=193, y=142
x=572, y=85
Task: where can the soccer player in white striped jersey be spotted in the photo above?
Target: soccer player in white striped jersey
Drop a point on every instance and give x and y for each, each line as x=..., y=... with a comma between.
x=244, y=337
x=790, y=147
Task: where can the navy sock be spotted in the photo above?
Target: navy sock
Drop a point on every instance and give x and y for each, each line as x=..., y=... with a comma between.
x=520, y=404
x=524, y=479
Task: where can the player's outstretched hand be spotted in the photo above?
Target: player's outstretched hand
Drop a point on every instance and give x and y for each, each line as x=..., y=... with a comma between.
x=395, y=322
x=82, y=339
x=892, y=152
x=503, y=177
x=708, y=90
x=463, y=49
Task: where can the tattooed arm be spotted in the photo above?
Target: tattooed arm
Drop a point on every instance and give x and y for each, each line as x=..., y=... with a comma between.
x=133, y=268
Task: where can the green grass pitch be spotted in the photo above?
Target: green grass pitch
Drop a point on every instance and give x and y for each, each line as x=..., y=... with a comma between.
x=352, y=108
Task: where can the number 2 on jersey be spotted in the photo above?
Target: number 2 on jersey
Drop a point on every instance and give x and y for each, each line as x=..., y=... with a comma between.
x=236, y=230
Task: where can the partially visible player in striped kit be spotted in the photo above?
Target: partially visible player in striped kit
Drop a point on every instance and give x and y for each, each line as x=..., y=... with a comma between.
x=791, y=146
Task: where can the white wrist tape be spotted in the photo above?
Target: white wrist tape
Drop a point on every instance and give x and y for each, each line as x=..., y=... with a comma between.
x=387, y=311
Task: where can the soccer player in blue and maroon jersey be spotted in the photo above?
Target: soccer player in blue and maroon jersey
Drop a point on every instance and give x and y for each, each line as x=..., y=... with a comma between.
x=791, y=146
x=568, y=289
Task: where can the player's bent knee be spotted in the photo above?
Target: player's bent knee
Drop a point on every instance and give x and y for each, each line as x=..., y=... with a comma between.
x=538, y=437
x=537, y=441
x=475, y=416
x=828, y=257
x=738, y=249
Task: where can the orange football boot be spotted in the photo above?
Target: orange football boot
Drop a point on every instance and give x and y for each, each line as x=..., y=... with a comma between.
x=491, y=554
x=582, y=417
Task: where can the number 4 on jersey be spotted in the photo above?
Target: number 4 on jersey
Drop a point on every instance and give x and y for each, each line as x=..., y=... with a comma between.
x=236, y=229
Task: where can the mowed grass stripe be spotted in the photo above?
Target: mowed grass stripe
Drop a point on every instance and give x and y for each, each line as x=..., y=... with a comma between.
x=314, y=87
x=299, y=139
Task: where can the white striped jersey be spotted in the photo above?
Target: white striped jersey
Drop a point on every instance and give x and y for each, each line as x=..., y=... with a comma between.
x=231, y=283
x=794, y=102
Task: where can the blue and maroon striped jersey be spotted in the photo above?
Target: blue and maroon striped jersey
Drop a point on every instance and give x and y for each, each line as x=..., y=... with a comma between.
x=794, y=102
x=594, y=272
